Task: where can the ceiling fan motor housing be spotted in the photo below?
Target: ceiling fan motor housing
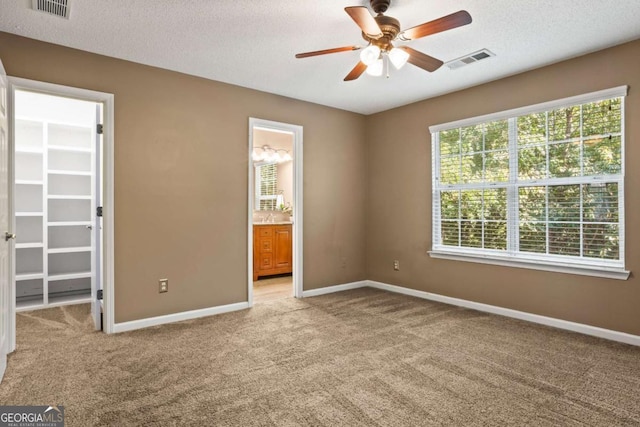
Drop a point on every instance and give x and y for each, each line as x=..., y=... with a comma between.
x=380, y=6
x=390, y=28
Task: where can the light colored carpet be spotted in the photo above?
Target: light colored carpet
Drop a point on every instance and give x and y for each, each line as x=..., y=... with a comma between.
x=358, y=358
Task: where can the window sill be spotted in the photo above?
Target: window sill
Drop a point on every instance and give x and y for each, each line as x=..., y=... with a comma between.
x=584, y=270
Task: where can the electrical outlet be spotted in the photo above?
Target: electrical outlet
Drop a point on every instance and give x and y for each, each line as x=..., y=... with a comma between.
x=163, y=285
x=396, y=265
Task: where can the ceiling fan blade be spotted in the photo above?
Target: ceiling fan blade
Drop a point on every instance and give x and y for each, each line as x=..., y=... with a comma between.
x=356, y=72
x=419, y=59
x=457, y=19
x=327, y=51
x=365, y=21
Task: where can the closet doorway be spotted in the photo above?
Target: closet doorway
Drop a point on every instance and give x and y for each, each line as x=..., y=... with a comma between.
x=58, y=172
x=275, y=211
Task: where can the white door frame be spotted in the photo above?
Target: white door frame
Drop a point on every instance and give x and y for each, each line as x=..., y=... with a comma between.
x=297, y=202
x=107, y=99
x=5, y=280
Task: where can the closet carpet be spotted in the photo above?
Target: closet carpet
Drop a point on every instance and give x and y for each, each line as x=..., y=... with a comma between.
x=357, y=358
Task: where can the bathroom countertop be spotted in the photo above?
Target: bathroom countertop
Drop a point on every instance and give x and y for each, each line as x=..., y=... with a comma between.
x=273, y=223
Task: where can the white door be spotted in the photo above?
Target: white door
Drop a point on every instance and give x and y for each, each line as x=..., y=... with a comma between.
x=4, y=223
x=96, y=241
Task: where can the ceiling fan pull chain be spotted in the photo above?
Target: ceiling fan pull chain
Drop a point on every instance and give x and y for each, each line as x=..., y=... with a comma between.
x=386, y=64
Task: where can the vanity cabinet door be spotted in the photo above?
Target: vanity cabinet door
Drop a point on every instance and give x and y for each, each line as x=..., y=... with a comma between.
x=282, y=244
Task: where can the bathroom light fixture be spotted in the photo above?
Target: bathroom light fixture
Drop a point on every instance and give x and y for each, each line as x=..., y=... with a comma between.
x=268, y=154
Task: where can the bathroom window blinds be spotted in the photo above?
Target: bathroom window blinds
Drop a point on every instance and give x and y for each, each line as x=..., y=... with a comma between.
x=267, y=186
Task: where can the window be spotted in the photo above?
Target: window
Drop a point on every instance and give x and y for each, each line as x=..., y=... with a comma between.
x=266, y=186
x=538, y=185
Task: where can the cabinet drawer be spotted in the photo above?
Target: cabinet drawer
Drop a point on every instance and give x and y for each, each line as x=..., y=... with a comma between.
x=266, y=262
x=266, y=245
x=265, y=231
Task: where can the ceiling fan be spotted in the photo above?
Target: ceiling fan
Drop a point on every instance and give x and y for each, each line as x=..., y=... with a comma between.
x=380, y=31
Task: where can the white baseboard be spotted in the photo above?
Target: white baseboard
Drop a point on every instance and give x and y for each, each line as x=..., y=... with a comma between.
x=177, y=317
x=529, y=317
x=336, y=288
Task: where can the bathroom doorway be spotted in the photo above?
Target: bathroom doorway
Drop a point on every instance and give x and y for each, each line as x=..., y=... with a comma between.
x=275, y=211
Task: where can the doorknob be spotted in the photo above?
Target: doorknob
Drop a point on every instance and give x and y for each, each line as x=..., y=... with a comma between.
x=8, y=236
x=90, y=227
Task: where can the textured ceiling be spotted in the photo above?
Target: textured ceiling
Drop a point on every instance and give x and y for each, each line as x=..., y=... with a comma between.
x=252, y=43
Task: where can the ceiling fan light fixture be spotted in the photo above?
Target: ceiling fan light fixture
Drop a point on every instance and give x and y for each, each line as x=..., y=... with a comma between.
x=398, y=57
x=370, y=54
x=376, y=68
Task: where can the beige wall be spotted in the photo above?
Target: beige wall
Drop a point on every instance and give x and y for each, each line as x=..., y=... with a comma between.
x=285, y=181
x=181, y=178
x=181, y=183
x=399, y=197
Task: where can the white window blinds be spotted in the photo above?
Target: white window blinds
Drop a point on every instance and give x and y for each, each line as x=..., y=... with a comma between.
x=540, y=183
x=267, y=186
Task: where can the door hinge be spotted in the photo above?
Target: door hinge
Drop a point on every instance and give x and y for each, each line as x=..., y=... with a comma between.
x=99, y=294
x=99, y=129
x=99, y=211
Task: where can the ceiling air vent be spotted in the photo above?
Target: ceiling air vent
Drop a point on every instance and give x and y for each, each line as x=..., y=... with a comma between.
x=52, y=7
x=470, y=59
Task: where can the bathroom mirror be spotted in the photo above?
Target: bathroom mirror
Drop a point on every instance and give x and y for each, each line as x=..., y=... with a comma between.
x=273, y=170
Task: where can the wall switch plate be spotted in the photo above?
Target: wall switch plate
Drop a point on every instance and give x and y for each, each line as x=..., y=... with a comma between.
x=163, y=285
x=396, y=265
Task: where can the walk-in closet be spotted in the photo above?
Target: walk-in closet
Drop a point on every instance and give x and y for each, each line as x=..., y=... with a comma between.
x=56, y=196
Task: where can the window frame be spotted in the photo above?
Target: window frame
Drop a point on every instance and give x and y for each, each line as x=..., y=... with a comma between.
x=512, y=257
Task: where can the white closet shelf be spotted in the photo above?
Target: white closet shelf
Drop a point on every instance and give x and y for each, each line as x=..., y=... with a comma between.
x=28, y=182
x=70, y=124
x=69, y=148
x=68, y=276
x=29, y=245
x=67, y=197
x=29, y=304
x=56, y=301
x=23, y=118
x=29, y=150
x=69, y=250
x=29, y=276
x=28, y=213
x=68, y=223
x=67, y=172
